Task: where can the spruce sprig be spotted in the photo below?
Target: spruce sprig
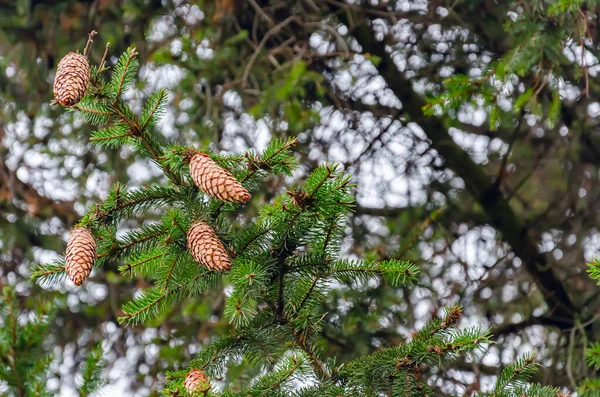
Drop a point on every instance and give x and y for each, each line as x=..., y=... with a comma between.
x=284, y=261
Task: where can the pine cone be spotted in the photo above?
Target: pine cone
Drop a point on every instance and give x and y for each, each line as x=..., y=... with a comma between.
x=196, y=382
x=72, y=79
x=80, y=255
x=216, y=181
x=206, y=248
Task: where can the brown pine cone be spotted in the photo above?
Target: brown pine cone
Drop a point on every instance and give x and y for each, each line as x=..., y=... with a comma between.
x=80, y=255
x=206, y=248
x=72, y=79
x=216, y=181
x=196, y=382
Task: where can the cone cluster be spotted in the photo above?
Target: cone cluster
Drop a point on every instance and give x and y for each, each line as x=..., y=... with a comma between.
x=216, y=181
x=72, y=79
x=80, y=255
x=196, y=382
x=206, y=248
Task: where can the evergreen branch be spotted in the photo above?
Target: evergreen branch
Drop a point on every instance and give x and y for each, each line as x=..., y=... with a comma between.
x=130, y=266
x=137, y=310
x=307, y=294
x=275, y=148
x=154, y=106
x=589, y=388
x=396, y=272
x=241, y=250
x=49, y=273
x=142, y=240
x=106, y=138
x=516, y=374
x=594, y=270
x=276, y=379
x=592, y=356
x=134, y=199
x=54, y=270
x=92, y=111
x=170, y=272
x=328, y=234
x=328, y=175
x=125, y=68
x=276, y=385
x=318, y=366
x=92, y=372
x=131, y=316
x=148, y=143
x=265, y=162
x=109, y=137
x=136, y=238
x=213, y=357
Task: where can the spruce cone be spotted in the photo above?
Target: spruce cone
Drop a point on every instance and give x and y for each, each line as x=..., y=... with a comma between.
x=215, y=181
x=72, y=79
x=80, y=256
x=196, y=382
x=206, y=248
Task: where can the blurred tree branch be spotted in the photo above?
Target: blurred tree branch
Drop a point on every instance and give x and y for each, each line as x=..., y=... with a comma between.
x=501, y=215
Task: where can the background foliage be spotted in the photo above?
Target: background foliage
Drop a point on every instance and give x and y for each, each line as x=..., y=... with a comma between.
x=469, y=129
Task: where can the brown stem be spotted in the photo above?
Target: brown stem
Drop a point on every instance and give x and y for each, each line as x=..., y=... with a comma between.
x=89, y=43
x=101, y=66
x=318, y=366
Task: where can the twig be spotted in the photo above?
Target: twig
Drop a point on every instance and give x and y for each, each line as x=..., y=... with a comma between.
x=209, y=98
x=132, y=54
x=262, y=12
x=339, y=38
x=104, y=57
x=262, y=44
x=312, y=5
x=568, y=367
x=89, y=43
x=513, y=138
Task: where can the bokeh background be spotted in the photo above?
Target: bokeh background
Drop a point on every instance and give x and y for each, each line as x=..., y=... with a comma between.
x=501, y=220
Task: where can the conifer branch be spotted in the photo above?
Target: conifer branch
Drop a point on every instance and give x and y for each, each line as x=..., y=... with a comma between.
x=43, y=273
x=142, y=196
x=308, y=293
x=143, y=238
x=107, y=138
x=155, y=152
x=156, y=103
x=286, y=376
x=92, y=111
x=281, y=261
x=265, y=162
x=248, y=243
x=136, y=315
x=320, y=369
x=48, y=273
x=92, y=372
x=130, y=266
x=131, y=316
x=170, y=272
x=132, y=53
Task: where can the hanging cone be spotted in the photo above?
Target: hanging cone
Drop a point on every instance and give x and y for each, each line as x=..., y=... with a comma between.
x=196, y=382
x=72, y=79
x=80, y=255
x=216, y=181
x=206, y=248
